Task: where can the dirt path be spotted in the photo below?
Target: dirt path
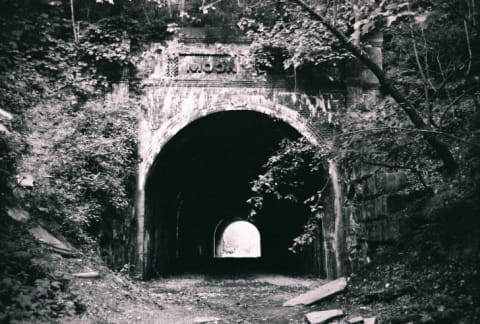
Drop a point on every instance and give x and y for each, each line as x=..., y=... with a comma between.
x=239, y=299
x=190, y=298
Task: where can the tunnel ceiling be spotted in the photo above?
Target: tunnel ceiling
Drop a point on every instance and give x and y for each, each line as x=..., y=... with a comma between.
x=202, y=176
x=223, y=152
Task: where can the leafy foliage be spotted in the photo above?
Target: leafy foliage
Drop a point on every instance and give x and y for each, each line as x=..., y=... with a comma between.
x=90, y=176
x=438, y=78
x=293, y=173
x=82, y=148
x=285, y=37
x=28, y=290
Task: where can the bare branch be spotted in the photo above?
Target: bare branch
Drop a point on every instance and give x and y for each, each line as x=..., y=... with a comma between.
x=440, y=147
x=452, y=103
x=470, y=55
x=74, y=27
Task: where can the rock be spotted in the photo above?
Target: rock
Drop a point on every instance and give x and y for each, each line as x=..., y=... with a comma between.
x=25, y=180
x=18, y=214
x=355, y=320
x=5, y=115
x=4, y=129
x=87, y=275
x=323, y=316
x=45, y=237
x=370, y=320
x=319, y=293
x=206, y=319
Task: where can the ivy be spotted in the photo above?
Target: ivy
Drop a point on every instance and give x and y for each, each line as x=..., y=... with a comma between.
x=293, y=173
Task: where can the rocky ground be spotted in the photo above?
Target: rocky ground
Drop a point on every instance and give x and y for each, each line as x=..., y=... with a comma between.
x=427, y=278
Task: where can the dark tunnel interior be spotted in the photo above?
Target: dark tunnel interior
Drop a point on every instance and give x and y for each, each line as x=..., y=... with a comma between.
x=202, y=177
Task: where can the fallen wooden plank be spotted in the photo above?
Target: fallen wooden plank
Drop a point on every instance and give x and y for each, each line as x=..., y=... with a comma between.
x=319, y=293
x=323, y=316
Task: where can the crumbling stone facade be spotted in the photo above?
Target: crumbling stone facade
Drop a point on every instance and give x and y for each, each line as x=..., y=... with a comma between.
x=189, y=78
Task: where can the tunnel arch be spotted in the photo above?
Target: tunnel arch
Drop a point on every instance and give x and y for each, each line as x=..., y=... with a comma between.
x=236, y=238
x=181, y=119
x=164, y=250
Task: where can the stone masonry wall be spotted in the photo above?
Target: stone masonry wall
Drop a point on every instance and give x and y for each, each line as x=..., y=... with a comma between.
x=372, y=207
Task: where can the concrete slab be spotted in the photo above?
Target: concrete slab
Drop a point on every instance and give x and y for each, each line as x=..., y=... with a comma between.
x=323, y=316
x=370, y=320
x=4, y=129
x=206, y=319
x=45, y=237
x=87, y=275
x=18, y=214
x=25, y=180
x=355, y=320
x=5, y=115
x=319, y=293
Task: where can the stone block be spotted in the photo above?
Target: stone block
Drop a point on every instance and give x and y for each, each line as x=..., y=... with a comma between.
x=389, y=182
x=87, y=275
x=206, y=319
x=45, y=237
x=4, y=129
x=370, y=320
x=5, y=115
x=323, y=316
x=355, y=320
x=25, y=180
x=319, y=293
x=363, y=171
x=18, y=214
x=380, y=207
x=382, y=230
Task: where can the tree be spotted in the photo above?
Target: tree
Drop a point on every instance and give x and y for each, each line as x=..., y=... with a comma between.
x=302, y=34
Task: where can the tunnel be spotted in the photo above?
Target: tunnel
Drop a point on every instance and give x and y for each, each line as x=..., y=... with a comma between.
x=202, y=178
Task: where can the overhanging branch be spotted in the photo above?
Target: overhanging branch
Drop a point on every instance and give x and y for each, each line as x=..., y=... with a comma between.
x=440, y=147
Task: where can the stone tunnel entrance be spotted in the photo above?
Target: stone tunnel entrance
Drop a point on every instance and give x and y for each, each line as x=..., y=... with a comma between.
x=201, y=178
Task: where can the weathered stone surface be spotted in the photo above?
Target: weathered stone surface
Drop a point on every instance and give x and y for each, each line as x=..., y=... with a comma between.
x=25, y=180
x=45, y=237
x=323, y=316
x=319, y=293
x=370, y=320
x=186, y=81
x=206, y=319
x=5, y=115
x=87, y=275
x=355, y=320
x=4, y=129
x=383, y=230
x=380, y=183
x=373, y=209
x=18, y=214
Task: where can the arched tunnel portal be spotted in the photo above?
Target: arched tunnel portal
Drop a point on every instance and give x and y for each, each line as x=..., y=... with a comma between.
x=202, y=177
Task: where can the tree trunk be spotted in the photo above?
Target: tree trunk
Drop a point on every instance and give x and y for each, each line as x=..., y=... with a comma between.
x=439, y=146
